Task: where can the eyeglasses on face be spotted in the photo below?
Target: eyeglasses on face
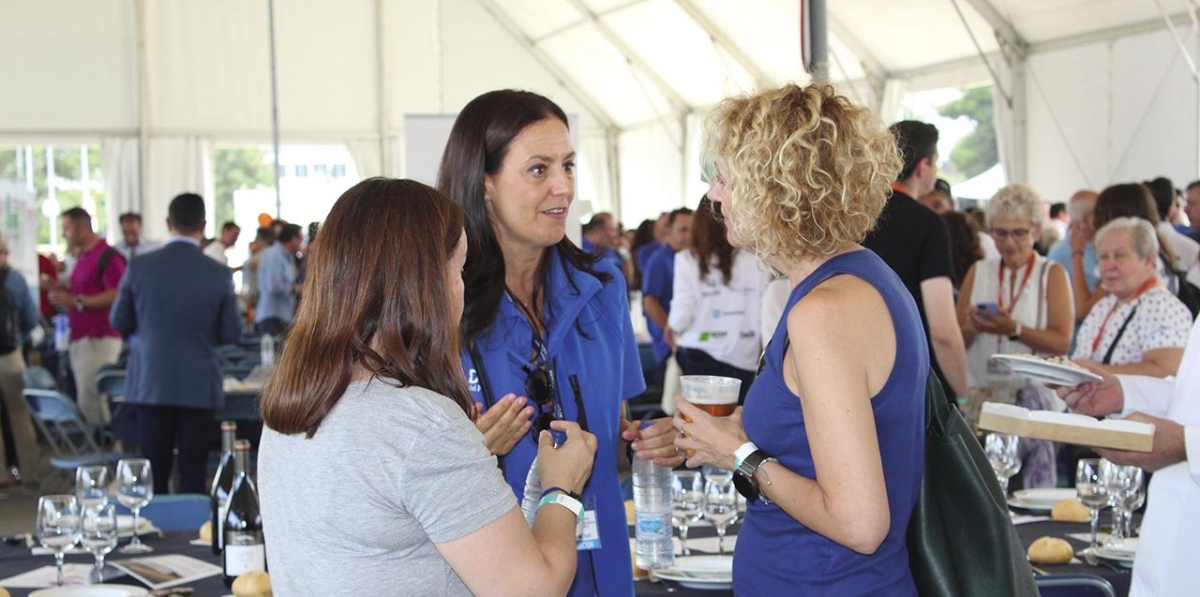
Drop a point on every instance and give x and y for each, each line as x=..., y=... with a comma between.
x=1017, y=234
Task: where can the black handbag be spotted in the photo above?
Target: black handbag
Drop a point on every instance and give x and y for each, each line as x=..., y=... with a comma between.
x=961, y=541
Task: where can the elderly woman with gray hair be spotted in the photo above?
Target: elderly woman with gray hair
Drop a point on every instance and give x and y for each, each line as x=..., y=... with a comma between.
x=1018, y=303
x=1139, y=327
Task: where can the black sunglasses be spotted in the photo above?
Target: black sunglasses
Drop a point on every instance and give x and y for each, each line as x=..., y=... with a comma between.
x=539, y=387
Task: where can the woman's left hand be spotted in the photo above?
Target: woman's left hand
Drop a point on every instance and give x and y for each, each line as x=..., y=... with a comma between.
x=998, y=323
x=654, y=442
x=711, y=440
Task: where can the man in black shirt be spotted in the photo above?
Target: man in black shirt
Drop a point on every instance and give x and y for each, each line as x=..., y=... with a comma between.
x=915, y=242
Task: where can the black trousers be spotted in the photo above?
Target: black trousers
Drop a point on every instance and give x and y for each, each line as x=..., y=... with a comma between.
x=162, y=429
x=693, y=361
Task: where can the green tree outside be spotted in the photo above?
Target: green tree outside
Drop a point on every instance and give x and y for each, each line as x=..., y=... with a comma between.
x=978, y=151
x=234, y=169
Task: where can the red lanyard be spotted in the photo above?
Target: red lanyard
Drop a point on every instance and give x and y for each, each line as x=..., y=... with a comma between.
x=1147, y=285
x=1014, y=293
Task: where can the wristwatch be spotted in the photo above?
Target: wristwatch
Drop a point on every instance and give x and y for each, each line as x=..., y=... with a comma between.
x=749, y=459
x=78, y=303
x=1016, y=335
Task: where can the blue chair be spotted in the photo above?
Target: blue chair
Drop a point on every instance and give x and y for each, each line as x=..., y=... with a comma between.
x=111, y=383
x=72, y=441
x=176, y=512
x=1074, y=585
x=39, y=378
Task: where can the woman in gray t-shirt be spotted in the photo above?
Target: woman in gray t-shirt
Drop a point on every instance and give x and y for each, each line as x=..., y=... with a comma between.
x=374, y=479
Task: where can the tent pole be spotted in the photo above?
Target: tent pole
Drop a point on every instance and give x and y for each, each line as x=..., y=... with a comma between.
x=143, y=111
x=818, y=33
x=274, y=106
x=381, y=80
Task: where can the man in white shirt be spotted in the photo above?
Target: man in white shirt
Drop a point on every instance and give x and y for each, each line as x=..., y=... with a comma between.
x=1166, y=564
x=216, y=249
x=132, y=244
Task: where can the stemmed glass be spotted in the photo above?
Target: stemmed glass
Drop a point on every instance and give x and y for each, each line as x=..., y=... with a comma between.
x=1089, y=485
x=99, y=535
x=91, y=486
x=1001, y=450
x=1124, y=484
x=687, y=496
x=135, y=489
x=720, y=507
x=58, y=526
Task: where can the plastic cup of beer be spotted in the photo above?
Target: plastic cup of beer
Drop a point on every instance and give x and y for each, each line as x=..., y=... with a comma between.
x=716, y=395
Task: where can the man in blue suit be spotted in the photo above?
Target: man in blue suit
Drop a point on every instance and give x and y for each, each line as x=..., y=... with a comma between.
x=181, y=305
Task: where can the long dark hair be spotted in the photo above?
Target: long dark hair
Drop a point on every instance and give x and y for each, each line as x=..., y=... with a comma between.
x=965, y=249
x=643, y=236
x=477, y=146
x=709, y=241
x=1131, y=200
x=376, y=299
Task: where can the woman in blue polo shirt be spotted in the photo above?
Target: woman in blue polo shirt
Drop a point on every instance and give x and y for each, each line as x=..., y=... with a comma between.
x=546, y=326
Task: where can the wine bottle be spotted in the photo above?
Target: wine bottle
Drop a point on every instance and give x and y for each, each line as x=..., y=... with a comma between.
x=222, y=484
x=245, y=549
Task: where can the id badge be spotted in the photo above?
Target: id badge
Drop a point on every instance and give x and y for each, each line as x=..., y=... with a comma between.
x=587, y=531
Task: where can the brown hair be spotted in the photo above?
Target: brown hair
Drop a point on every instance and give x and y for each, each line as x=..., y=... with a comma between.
x=1132, y=200
x=965, y=249
x=709, y=241
x=375, y=300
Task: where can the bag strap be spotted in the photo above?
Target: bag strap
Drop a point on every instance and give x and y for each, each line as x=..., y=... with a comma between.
x=1120, y=333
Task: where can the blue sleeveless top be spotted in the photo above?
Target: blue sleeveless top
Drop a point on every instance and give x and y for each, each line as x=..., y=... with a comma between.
x=776, y=554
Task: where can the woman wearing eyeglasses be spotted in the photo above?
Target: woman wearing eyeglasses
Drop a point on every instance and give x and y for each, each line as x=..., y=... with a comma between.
x=1019, y=303
x=546, y=326
x=374, y=479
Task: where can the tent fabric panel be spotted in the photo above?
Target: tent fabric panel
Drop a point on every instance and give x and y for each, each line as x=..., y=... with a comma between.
x=906, y=34
x=538, y=18
x=687, y=60
x=769, y=34
x=651, y=179
x=69, y=65
x=209, y=66
x=605, y=75
x=1038, y=20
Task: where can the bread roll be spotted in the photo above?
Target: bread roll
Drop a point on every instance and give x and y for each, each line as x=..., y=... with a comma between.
x=4, y=592
x=252, y=584
x=1050, y=550
x=206, y=531
x=1071, y=510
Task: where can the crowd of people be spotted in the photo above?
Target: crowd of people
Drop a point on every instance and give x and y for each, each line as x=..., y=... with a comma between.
x=431, y=383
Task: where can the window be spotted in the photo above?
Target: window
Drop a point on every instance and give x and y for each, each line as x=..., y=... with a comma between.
x=62, y=177
x=321, y=171
x=339, y=171
x=301, y=170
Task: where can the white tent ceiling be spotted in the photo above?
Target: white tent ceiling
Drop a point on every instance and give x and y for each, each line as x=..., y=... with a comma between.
x=1102, y=93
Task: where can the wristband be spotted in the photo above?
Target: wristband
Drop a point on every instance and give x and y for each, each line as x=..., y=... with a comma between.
x=742, y=452
x=1016, y=335
x=564, y=500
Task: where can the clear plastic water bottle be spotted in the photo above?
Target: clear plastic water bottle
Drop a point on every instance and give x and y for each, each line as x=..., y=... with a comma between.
x=62, y=333
x=652, y=507
x=266, y=349
x=533, y=493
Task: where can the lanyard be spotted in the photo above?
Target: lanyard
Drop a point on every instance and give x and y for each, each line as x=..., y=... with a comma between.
x=1147, y=285
x=1014, y=293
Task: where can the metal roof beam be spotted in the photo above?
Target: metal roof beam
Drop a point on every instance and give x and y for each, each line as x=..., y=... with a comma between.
x=723, y=41
x=1002, y=27
x=673, y=97
x=548, y=63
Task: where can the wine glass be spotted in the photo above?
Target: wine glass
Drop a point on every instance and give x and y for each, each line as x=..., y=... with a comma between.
x=720, y=507
x=1124, y=483
x=99, y=535
x=135, y=489
x=91, y=486
x=58, y=526
x=687, y=496
x=1089, y=486
x=1001, y=450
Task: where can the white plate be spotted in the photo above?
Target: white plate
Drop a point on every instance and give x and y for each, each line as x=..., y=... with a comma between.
x=1044, y=495
x=1117, y=556
x=1024, y=505
x=702, y=583
x=1044, y=371
x=706, y=566
x=92, y=591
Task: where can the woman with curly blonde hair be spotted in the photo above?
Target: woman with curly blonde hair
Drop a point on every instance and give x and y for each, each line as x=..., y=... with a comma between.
x=830, y=444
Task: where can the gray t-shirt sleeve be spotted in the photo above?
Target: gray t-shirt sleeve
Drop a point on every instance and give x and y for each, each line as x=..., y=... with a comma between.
x=451, y=484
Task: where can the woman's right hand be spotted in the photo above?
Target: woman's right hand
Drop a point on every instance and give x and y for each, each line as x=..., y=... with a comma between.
x=570, y=465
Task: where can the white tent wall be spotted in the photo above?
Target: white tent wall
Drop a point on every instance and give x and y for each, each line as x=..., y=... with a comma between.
x=1127, y=110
